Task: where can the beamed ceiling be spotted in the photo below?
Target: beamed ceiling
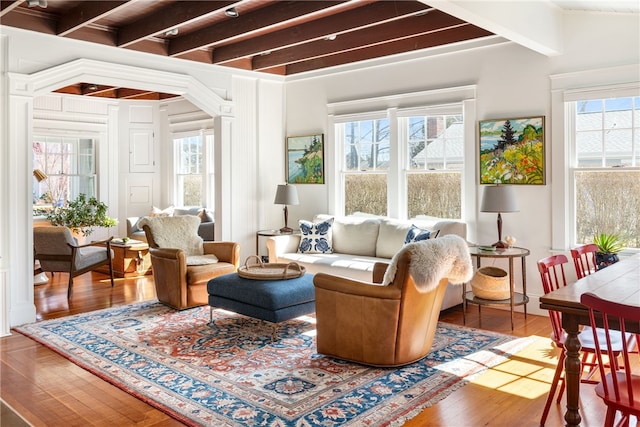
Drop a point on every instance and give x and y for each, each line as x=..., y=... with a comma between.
x=277, y=37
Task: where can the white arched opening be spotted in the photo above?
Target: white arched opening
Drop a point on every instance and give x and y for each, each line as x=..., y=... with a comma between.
x=16, y=263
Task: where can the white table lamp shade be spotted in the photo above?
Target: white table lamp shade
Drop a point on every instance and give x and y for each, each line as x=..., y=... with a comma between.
x=286, y=195
x=499, y=198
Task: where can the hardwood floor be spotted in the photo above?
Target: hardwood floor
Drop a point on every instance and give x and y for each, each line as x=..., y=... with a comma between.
x=48, y=390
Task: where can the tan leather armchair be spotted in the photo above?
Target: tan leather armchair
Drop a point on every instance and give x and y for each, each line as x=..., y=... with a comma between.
x=180, y=284
x=378, y=325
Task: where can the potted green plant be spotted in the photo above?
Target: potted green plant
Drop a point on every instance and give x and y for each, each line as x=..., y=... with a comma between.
x=608, y=247
x=82, y=215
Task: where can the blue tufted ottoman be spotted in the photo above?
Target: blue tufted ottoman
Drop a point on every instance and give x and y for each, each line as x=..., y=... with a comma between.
x=271, y=300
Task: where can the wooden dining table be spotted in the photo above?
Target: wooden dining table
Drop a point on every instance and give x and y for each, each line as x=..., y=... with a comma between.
x=620, y=283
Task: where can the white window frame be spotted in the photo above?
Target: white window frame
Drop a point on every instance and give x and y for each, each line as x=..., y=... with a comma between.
x=392, y=106
x=603, y=83
x=208, y=176
x=43, y=137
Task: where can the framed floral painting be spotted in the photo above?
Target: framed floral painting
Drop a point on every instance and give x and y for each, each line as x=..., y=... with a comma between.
x=512, y=151
x=305, y=159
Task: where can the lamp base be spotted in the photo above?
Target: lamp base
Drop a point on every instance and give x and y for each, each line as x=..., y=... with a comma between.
x=286, y=230
x=500, y=245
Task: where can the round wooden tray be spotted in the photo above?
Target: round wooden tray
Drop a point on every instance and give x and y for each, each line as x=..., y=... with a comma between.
x=270, y=271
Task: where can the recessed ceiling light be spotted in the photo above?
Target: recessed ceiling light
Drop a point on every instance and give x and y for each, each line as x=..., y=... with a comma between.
x=34, y=3
x=171, y=32
x=232, y=12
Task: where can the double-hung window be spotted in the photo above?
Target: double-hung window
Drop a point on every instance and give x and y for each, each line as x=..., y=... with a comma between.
x=69, y=164
x=365, y=157
x=434, y=145
x=605, y=167
x=193, y=181
x=402, y=163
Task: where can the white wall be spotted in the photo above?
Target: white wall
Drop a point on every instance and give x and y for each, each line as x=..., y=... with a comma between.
x=512, y=81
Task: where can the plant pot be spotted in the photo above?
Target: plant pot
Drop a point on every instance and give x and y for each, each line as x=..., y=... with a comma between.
x=604, y=259
x=491, y=283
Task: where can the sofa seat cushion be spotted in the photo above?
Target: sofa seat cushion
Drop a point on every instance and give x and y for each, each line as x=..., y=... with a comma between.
x=354, y=266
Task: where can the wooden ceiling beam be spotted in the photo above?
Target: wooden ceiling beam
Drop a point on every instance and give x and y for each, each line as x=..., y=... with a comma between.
x=258, y=21
x=87, y=12
x=7, y=6
x=453, y=35
x=362, y=17
x=173, y=16
x=397, y=30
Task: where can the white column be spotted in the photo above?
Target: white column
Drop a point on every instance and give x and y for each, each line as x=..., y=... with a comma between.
x=19, y=255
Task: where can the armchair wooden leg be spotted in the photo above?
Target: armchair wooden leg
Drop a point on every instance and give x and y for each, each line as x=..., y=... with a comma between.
x=111, y=272
x=70, y=286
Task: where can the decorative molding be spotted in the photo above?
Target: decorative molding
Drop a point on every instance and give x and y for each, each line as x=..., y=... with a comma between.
x=422, y=98
x=105, y=73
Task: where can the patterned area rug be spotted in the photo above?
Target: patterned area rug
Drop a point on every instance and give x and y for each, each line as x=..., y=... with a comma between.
x=232, y=374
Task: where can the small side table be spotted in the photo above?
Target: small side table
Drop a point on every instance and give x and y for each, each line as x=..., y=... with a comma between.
x=124, y=259
x=516, y=298
x=270, y=233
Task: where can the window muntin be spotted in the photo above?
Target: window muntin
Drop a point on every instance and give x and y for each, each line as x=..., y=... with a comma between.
x=70, y=166
x=606, y=171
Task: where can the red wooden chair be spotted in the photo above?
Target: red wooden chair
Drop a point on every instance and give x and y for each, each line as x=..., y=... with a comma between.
x=553, y=277
x=584, y=259
x=619, y=388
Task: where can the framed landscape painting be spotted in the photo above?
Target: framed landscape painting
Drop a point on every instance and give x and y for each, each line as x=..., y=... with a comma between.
x=512, y=151
x=305, y=159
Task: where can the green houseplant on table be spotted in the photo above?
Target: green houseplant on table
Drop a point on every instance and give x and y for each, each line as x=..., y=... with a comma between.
x=82, y=215
x=608, y=247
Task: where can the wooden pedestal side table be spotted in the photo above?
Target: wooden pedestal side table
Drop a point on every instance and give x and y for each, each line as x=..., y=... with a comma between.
x=515, y=298
x=130, y=259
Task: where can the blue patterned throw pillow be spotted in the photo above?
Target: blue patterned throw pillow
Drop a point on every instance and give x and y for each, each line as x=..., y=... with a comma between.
x=417, y=234
x=316, y=237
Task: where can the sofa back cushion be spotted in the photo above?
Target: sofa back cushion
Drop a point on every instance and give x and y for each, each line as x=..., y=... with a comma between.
x=354, y=235
x=391, y=237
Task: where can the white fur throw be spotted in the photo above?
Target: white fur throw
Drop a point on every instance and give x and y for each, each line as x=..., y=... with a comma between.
x=431, y=260
x=178, y=232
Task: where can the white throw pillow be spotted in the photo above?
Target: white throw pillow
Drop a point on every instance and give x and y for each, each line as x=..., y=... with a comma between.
x=161, y=212
x=316, y=237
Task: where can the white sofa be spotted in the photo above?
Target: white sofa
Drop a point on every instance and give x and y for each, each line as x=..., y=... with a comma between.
x=359, y=242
